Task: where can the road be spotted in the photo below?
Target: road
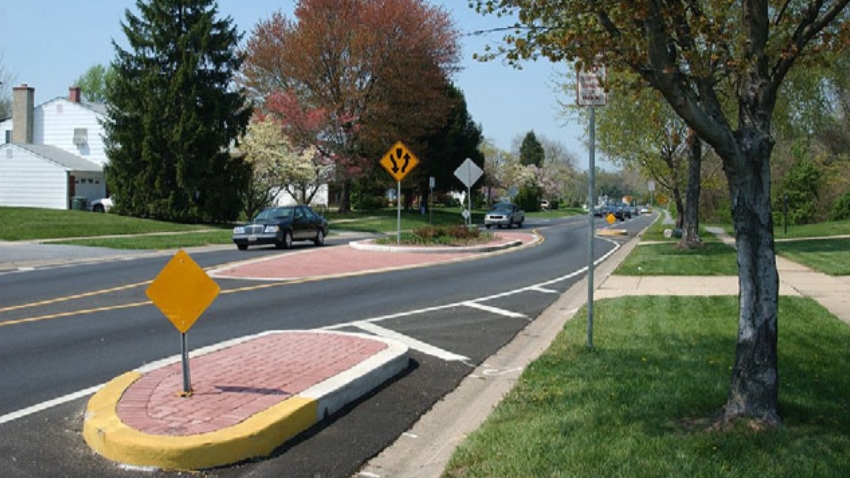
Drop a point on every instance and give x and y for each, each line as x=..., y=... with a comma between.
x=64, y=330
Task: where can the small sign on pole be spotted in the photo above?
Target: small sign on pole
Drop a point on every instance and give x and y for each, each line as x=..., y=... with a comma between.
x=468, y=172
x=182, y=292
x=399, y=161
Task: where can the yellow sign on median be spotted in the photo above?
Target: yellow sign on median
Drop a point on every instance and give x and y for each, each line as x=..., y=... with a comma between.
x=399, y=161
x=182, y=291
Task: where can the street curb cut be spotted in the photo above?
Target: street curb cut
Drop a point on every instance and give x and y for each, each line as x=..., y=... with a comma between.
x=256, y=436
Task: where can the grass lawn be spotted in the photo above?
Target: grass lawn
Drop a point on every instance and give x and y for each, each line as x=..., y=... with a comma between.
x=662, y=257
x=830, y=256
x=641, y=404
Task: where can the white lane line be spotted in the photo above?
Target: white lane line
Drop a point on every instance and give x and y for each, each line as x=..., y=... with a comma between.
x=495, y=310
x=411, y=342
x=544, y=290
x=48, y=404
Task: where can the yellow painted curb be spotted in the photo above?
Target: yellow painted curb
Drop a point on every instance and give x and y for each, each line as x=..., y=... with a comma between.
x=611, y=232
x=256, y=436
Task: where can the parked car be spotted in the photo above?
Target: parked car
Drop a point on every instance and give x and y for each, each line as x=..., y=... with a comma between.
x=600, y=211
x=504, y=214
x=281, y=226
x=100, y=205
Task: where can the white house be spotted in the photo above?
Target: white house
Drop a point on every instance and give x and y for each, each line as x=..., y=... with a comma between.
x=53, y=152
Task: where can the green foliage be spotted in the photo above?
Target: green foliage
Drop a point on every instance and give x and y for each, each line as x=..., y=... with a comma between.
x=529, y=198
x=531, y=151
x=841, y=209
x=800, y=186
x=95, y=83
x=173, y=114
x=443, y=235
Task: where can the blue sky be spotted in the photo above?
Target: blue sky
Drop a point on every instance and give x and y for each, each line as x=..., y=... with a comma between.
x=47, y=44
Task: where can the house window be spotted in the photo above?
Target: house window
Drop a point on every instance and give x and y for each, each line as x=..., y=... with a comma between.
x=8, y=136
x=81, y=136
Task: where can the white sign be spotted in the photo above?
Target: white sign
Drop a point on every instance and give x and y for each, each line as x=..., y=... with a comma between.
x=468, y=173
x=651, y=185
x=589, y=88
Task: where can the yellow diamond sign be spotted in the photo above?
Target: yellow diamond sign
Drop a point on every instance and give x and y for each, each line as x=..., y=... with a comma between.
x=182, y=291
x=399, y=161
x=611, y=218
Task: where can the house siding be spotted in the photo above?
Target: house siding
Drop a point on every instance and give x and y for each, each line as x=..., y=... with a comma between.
x=55, y=122
x=27, y=180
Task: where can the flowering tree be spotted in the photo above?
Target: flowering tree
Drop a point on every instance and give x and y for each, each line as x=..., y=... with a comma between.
x=376, y=70
x=278, y=166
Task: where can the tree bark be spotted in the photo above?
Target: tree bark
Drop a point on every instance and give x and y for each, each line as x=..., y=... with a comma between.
x=690, y=224
x=345, y=197
x=754, y=391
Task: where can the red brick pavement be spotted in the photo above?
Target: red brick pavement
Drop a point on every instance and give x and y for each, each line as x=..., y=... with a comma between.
x=345, y=259
x=234, y=383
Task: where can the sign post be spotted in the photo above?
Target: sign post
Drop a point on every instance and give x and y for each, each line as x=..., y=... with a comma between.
x=468, y=172
x=399, y=161
x=182, y=291
x=590, y=92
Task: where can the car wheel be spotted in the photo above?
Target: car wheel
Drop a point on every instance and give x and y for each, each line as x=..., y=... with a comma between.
x=487, y=226
x=320, y=238
x=286, y=243
x=98, y=208
x=242, y=247
x=511, y=223
x=519, y=224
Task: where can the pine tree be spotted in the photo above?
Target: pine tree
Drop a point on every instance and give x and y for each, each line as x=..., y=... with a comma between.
x=531, y=151
x=173, y=113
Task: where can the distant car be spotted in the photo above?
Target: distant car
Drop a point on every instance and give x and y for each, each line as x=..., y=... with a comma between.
x=600, y=211
x=281, y=226
x=504, y=214
x=100, y=205
x=644, y=209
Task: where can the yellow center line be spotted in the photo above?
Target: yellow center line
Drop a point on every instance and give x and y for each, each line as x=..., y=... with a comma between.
x=72, y=297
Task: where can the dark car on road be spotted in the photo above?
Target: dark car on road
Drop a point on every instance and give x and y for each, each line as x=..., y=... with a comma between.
x=281, y=226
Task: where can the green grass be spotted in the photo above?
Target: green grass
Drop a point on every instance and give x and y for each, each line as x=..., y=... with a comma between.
x=830, y=256
x=714, y=259
x=165, y=241
x=823, y=229
x=21, y=224
x=641, y=403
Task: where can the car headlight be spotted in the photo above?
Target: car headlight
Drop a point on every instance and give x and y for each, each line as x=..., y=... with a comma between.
x=270, y=229
x=238, y=230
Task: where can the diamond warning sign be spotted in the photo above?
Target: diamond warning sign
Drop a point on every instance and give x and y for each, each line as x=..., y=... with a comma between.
x=399, y=161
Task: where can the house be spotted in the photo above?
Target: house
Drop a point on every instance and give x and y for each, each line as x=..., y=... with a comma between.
x=52, y=155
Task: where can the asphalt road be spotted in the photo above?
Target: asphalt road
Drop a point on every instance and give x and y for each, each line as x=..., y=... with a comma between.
x=67, y=328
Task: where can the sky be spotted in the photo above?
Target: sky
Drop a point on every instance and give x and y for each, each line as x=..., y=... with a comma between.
x=47, y=44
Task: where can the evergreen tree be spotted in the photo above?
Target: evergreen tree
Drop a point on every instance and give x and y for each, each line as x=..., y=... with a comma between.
x=531, y=151
x=173, y=113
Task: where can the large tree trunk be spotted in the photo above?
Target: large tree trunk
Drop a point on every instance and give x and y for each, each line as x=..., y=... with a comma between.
x=690, y=224
x=345, y=197
x=754, y=391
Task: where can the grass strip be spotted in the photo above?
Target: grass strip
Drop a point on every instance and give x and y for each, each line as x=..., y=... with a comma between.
x=830, y=256
x=640, y=404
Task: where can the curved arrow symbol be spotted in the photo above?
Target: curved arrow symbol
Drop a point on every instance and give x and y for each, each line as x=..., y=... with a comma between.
x=406, y=162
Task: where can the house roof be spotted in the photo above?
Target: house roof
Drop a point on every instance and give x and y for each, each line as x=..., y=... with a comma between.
x=59, y=156
x=99, y=108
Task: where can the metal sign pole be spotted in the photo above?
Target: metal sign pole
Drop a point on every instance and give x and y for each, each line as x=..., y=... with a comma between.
x=398, y=213
x=590, y=229
x=187, y=385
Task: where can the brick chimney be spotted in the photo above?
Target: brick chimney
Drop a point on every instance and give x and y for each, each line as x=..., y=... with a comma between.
x=74, y=94
x=22, y=113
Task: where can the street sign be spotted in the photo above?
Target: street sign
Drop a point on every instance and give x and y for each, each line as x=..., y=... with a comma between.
x=590, y=89
x=182, y=291
x=468, y=172
x=399, y=161
x=611, y=218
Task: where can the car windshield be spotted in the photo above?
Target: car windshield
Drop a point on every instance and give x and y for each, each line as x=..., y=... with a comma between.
x=275, y=213
x=501, y=208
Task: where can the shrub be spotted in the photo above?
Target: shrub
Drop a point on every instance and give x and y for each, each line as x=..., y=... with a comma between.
x=841, y=209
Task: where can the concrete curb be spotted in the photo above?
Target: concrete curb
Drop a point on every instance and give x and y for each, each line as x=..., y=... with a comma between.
x=257, y=435
x=369, y=245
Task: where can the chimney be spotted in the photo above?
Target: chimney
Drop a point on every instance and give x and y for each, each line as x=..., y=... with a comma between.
x=74, y=94
x=22, y=113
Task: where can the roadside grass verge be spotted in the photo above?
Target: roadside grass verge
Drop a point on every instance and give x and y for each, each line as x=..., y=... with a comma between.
x=641, y=404
x=830, y=256
x=22, y=224
x=663, y=258
x=822, y=229
x=157, y=241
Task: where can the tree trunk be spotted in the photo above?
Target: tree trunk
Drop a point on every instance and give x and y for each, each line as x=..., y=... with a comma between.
x=690, y=224
x=754, y=391
x=680, y=205
x=345, y=197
